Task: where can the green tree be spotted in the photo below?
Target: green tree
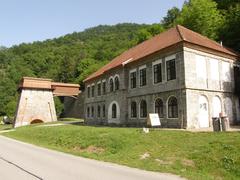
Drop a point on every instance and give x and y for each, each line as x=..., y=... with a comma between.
x=170, y=19
x=201, y=16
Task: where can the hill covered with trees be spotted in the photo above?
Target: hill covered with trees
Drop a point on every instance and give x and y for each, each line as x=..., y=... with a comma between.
x=74, y=56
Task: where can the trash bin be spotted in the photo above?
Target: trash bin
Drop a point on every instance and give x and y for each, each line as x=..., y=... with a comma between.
x=225, y=123
x=216, y=124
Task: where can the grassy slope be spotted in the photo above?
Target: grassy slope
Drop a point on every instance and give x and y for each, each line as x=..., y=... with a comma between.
x=193, y=155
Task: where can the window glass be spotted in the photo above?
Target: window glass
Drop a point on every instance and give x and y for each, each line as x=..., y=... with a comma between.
x=103, y=111
x=104, y=87
x=92, y=111
x=93, y=90
x=133, y=79
x=157, y=73
x=111, y=85
x=159, y=107
x=116, y=81
x=133, y=109
x=114, y=111
x=88, y=91
x=171, y=69
x=99, y=111
x=143, y=77
x=143, y=109
x=172, y=108
x=99, y=89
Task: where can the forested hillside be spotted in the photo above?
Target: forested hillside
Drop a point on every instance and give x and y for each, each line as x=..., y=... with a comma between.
x=74, y=56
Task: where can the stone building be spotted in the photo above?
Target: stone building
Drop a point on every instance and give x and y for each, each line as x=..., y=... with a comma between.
x=183, y=76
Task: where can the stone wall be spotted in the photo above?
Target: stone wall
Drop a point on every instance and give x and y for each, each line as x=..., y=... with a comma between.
x=35, y=105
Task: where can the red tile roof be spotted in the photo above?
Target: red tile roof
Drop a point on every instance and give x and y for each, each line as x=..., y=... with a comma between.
x=161, y=41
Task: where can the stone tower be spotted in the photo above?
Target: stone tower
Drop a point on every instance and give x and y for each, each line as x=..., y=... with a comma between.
x=36, y=102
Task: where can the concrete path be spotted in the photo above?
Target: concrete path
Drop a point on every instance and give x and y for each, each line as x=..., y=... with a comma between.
x=23, y=161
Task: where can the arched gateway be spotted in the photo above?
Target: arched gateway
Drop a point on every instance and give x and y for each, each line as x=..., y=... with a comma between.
x=36, y=103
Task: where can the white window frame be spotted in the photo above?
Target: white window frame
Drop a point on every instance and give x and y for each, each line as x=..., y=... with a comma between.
x=132, y=71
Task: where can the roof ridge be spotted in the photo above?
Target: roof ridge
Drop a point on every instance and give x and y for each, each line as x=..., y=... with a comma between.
x=179, y=32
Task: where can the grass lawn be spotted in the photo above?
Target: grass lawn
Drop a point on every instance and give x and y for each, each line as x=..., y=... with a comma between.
x=5, y=127
x=192, y=155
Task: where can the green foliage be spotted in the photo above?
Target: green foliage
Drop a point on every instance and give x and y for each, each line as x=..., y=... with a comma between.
x=150, y=31
x=230, y=32
x=192, y=155
x=170, y=19
x=201, y=16
x=70, y=58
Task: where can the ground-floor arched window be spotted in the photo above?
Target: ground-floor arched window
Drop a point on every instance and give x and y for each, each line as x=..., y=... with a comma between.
x=92, y=111
x=172, y=107
x=143, y=109
x=114, y=111
x=88, y=112
x=133, y=109
x=159, y=107
x=98, y=111
x=103, y=111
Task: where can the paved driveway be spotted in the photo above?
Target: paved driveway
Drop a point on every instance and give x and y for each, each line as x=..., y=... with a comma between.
x=20, y=161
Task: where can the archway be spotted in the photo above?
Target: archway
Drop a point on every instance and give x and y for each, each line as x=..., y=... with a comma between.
x=36, y=121
x=228, y=108
x=114, y=112
x=216, y=106
x=203, y=112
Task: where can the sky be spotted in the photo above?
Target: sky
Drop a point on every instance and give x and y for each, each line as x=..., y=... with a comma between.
x=37, y=20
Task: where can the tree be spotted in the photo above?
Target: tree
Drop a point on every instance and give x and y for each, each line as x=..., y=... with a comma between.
x=201, y=16
x=169, y=20
x=230, y=32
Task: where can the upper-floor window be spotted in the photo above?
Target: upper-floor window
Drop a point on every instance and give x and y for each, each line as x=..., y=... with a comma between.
x=172, y=107
x=99, y=89
x=226, y=72
x=133, y=109
x=157, y=72
x=201, y=68
x=133, y=79
x=143, y=76
x=93, y=90
x=171, y=68
x=116, y=83
x=104, y=87
x=214, y=69
x=143, y=109
x=111, y=85
x=88, y=91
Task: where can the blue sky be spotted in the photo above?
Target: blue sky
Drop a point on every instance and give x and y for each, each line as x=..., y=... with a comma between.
x=32, y=20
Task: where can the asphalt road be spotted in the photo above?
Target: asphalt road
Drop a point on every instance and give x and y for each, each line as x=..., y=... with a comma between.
x=21, y=161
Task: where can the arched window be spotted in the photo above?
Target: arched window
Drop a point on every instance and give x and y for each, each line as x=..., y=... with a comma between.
x=88, y=112
x=133, y=109
x=111, y=85
x=116, y=83
x=159, y=107
x=98, y=111
x=114, y=111
x=92, y=111
x=172, y=107
x=103, y=111
x=143, y=109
